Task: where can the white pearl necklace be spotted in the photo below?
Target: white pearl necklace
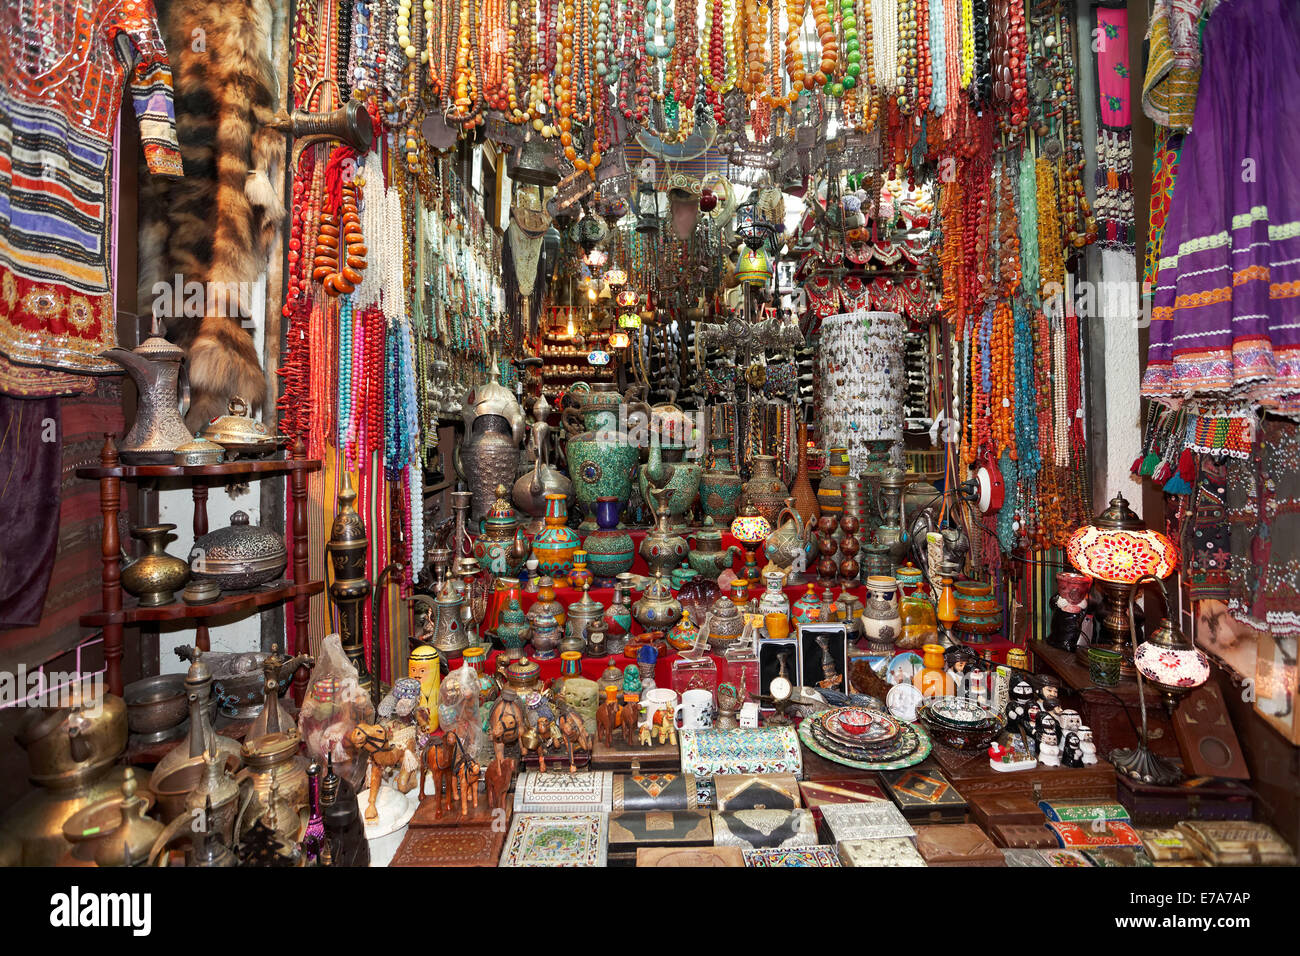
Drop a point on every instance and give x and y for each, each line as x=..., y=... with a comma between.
x=884, y=20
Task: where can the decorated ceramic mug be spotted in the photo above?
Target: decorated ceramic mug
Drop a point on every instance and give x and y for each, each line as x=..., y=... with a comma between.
x=697, y=710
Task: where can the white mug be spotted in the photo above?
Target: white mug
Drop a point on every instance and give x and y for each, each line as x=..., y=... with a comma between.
x=697, y=710
x=660, y=698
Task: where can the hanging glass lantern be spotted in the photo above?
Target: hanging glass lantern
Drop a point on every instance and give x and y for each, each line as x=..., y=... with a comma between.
x=629, y=320
x=627, y=298
x=616, y=278
x=619, y=340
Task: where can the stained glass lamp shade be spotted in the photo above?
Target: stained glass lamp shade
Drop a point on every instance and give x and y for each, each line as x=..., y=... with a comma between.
x=1121, y=556
x=751, y=529
x=1116, y=550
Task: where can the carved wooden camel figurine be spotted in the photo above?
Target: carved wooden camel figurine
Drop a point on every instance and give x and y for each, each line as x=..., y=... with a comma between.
x=375, y=741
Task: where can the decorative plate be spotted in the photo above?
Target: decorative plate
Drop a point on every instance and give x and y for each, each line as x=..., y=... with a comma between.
x=961, y=710
x=910, y=760
x=880, y=729
x=903, y=667
x=903, y=700
x=900, y=746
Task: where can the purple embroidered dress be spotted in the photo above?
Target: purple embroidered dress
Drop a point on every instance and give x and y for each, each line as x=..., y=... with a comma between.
x=1225, y=325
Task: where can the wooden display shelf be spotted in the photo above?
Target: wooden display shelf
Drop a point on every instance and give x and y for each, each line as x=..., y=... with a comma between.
x=228, y=603
x=227, y=469
x=115, y=614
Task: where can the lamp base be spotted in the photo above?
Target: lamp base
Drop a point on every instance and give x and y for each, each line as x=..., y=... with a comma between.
x=1140, y=764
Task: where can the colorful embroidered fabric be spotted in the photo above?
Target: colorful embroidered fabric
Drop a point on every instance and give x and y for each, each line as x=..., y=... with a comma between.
x=1111, y=40
x=60, y=90
x=1232, y=436
x=1173, y=64
x=1205, y=536
x=1263, y=500
x=1226, y=317
x=1164, y=170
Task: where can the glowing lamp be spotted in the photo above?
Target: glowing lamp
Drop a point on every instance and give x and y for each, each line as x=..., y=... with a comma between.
x=627, y=297
x=616, y=277
x=751, y=529
x=1176, y=667
x=619, y=340
x=629, y=320
x=1117, y=550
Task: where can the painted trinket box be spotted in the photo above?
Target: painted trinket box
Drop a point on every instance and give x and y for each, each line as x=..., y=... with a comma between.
x=761, y=750
x=813, y=856
x=557, y=839
x=925, y=795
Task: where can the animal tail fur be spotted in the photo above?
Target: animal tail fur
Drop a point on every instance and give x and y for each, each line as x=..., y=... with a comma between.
x=223, y=213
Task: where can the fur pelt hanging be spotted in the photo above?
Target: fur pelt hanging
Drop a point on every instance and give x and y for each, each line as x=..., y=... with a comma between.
x=213, y=227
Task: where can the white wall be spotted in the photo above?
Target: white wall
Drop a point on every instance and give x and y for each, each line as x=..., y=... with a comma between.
x=176, y=506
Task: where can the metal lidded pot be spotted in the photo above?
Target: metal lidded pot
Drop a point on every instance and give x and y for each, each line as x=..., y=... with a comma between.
x=239, y=556
x=239, y=433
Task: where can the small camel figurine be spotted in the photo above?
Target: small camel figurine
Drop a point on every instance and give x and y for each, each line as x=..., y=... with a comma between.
x=465, y=778
x=569, y=729
x=535, y=740
x=497, y=777
x=375, y=741
x=607, y=718
x=440, y=759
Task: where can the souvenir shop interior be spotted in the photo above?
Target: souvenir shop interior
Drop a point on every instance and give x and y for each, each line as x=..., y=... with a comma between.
x=659, y=433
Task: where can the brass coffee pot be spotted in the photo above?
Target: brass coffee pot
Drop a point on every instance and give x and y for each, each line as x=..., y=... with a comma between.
x=159, y=429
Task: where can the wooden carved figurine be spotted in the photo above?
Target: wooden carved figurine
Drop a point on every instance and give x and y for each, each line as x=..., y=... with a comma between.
x=440, y=759
x=465, y=778
x=607, y=717
x=506, y=720
x=628, y=718
x=569, y=729
x=498, y=776
x=375, y=741
x=535, y=739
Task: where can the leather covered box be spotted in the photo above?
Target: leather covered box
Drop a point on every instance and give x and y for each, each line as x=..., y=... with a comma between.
x=657, y=791
x=631, y=830
x=925, y=795
x=992, y=809
x=619, y=756
x=695, y=856
x=817, y=793
x=957, y=844
x=752, y=829
x=1200, y=798
x=450, y=846
x=1022, y=836
x=750, y=791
